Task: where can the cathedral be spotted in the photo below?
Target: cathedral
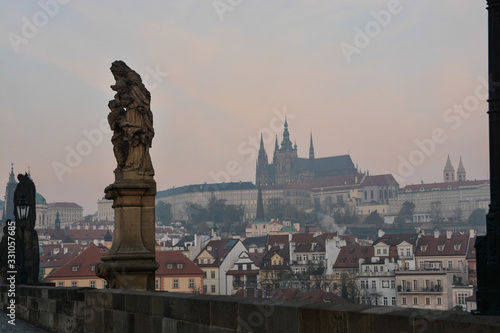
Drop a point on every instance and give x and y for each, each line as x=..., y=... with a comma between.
x=288, y=167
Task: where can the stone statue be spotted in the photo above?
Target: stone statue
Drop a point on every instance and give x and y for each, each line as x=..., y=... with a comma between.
x=131, y=120
x=27, y=254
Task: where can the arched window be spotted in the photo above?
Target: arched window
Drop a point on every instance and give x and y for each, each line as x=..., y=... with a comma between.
x=371, y=194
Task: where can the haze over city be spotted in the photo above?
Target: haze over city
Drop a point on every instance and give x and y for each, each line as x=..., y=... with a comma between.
x=388, y=84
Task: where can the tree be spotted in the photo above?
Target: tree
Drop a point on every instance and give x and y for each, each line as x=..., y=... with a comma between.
x=196, y=213
x=457, y=214
x=349, y=287
x=436, y=211
x=374, y=218
x=478, y=217
x=163, y=212
x=216, y=208
x=407, y=210
x=346, y=215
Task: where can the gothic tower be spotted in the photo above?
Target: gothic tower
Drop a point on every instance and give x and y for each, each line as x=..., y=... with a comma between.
x=8, y=212
x=448, y=172
x=285, y=158
x=262, y=175
x=461, y=171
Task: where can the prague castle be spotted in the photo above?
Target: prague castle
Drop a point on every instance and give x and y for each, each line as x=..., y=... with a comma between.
x=287, y=167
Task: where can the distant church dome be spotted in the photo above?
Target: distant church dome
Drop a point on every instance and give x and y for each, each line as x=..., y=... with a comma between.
x=107, y=237
x=40, y=200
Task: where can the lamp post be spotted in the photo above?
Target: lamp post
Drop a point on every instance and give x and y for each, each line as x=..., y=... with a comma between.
x=23, y=208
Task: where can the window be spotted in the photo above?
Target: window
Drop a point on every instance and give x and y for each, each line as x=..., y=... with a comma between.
x=60, y=284
x=415, y=300
x=415, y=284
x=450, y=264
x=384, y=251
x=213, y=288
x=440, y=247
x=169, y=266
x=378, y=251
x=73, y=284
x=176, y=284
x=92, y=284
x=393, y=284
x=404, y=301
x=393, y=300
x=461, y=298
x=179, y=266
x=385, y=284
x=74, y=268
x=439, y=301
x=363, y=285
x=408, y=253
x=204, y=289
x=191, y=283
x=212, y=274
x=386, y=302
x=157, y=284
x=374, y=284
x=299, y=257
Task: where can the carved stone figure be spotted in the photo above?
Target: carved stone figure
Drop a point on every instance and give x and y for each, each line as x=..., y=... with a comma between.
x=131, y=120
x=27, y=254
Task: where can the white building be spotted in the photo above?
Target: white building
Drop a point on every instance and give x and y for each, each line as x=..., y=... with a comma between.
x=105, y=211
x=377, y=281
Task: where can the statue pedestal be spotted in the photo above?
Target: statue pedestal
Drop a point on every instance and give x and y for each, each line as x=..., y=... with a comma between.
x=130, y=263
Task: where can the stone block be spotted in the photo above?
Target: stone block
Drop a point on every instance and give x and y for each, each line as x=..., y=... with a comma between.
x=143, y=304
x=108, y=321
x=195, y=309
x=157, y=306
x=321, y=318
x=120, y=321
x=169, y=325
x=155, y=323
x=118, y=301
x=141, y=323
x=223, y=312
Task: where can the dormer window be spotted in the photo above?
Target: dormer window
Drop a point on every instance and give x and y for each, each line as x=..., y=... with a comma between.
x=74, y=268
x=457, y=247
x=440, y=247
x=169, y=266
x=92, y=268
x=423, y=248
x=179, y=266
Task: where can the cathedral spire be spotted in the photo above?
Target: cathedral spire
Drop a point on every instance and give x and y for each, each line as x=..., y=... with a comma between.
x=311, y=148
x=461, y=171
x=449, y=171
x=276, y=146
x=261, y=143
x=286, y=143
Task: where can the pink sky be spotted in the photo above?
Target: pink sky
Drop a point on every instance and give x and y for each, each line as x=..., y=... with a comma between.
x=231, y=75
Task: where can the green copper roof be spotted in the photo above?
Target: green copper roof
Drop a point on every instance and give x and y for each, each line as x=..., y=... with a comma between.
x=288, y=228
x=40, y=200
x=260, y=221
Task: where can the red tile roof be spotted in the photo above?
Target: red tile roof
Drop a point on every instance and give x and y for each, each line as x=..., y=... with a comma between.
x=58, y=260
x=218, y=250
x=173, y=258
x=396, y=239
x=75, y=234
x=432, y=244
x=83, y=262
x=443, y=186
x=350, y=254
x=386, y=179
x=257, y=258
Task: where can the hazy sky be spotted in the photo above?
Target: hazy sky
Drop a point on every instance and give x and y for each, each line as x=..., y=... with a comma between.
x=397, y=84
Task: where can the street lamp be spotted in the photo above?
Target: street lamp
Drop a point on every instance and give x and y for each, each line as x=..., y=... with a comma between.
x=23, y=208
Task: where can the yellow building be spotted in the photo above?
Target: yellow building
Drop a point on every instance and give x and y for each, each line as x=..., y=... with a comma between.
x=177, y=273
x=80, y=271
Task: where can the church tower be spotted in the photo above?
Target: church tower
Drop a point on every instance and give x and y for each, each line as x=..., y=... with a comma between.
x=262, y=175
x=8, y=212
x=461, y=171
x=285, y=158
x=448, y=172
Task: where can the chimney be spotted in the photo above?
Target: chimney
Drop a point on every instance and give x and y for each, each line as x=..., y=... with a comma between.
x=436, y=233
x=381, y=233
x=448, y=234
x=65, y=250
x=472, y=233
x=282, y=245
